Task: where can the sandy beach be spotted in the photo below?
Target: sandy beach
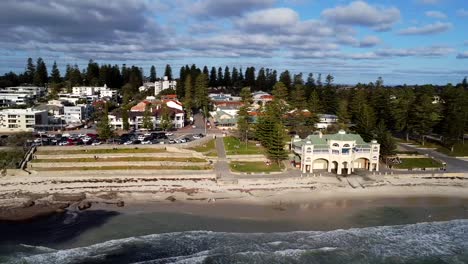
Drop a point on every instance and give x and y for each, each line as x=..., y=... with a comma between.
x=22, y=196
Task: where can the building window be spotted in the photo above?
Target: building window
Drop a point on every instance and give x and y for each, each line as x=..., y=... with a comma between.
x=336, y=145
x=309, y=150
x=346, y=146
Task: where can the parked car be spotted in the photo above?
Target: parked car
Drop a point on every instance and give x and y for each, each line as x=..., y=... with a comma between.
x=146, y=142
x=141, y=137
x=169, y=134
x=96, y=143
x=129, y=142
x=196, y=136
x=172, y=141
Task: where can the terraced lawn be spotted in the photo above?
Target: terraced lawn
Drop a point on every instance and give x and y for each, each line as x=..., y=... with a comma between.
x=116, y=159
x=99, y=151
x=206, y=167
x=418, y=163
x=234, y=146
x=254, y=167
x=208, y=149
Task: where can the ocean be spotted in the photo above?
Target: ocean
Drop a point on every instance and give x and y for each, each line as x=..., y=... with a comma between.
x=397, y=232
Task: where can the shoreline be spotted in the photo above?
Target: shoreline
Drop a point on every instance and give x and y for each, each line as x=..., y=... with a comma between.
x=24, y=198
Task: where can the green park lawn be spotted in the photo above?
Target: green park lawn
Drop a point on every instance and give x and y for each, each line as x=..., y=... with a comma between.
x=254, y=167
x=205, y=167
x=418, y=163
x=459, y=150
x=99, y=151
x=209, y=148
x=234, y=146
x=117, y=159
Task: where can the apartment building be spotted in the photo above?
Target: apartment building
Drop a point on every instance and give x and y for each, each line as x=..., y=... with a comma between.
x=18, y=120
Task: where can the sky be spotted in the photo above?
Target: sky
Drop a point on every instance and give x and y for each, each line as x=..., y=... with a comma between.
x=403, y=41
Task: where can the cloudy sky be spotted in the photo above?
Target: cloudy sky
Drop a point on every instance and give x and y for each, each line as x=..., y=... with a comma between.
x=404, y=41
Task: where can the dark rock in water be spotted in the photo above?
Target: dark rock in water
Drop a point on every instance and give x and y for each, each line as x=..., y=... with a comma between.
x=84, y=205
x=171, y=198
x=120, y=204
x=60, y=211
x=29, y=203
x=31, y=212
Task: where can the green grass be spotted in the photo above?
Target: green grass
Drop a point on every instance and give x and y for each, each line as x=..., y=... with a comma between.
x=233, y=146
x=209, y=148
x=418, y=163
x=117, y=159
x=255, y=167
x=125, y=168
x=459, y=150
x=99, y=151
x=407, y=152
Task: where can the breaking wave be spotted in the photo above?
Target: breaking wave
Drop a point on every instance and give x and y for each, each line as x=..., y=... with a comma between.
x=435, y=242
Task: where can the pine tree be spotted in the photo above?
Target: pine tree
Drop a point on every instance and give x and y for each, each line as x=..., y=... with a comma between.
x=219, y=78
x=55, y=74
x=365, y=123
x=285, y=78
x=188, y=102
x=213, y=80
x=276, y=149
x=298, y=99
x=30, y=71
x=385, y=139
x=41, y=75
x=103, y=126
x=168, y=72
x=180, y=89
x=147, y=118
x=261, y=82
x=166, y=121
x=201, y=92
x=315, y=105
x=205, y=71
x=153, y=74
x=125, y=123
x=343, y=116
x=424, y=116
x=227, y=77
x=250, y=77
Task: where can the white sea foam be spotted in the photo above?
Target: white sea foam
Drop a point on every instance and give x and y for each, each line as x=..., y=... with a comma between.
x=423, y=240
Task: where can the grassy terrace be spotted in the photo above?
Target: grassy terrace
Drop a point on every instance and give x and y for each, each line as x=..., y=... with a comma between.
x=99, y=151
x=459, y=150
x=235, y=147
x=117, y=159
x=254, y=167
x=209, y=148
x=126, y=168
x=418, y=163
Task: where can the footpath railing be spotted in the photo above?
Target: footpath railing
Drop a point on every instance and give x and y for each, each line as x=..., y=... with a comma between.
x=27, y=157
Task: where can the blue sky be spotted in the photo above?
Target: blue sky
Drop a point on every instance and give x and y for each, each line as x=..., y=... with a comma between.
x=412, y=41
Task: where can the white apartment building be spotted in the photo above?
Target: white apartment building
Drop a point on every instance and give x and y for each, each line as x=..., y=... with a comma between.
x=32, y=90
x=103, y=91
x=326, y=120
x=71, y=98
x=21, y=120
x=341, y=153
x=164, y=84
x=135, y=118
x=76, y=114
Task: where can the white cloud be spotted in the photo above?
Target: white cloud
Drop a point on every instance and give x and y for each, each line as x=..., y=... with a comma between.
x=462, y=55
x=432, y=51
x=268, y=19
x=369, y=41
x=429, y=29
x=226, y=8
x=362, y=14
x=436, y=14
x=462, y=12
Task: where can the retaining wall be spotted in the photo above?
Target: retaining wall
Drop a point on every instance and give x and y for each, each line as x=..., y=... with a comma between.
x=122, y=155
x=247, y=157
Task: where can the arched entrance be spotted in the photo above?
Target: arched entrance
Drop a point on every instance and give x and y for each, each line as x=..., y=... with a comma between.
x=320, y=164
x=346, y=168
x=362, y=164
x=333, y=167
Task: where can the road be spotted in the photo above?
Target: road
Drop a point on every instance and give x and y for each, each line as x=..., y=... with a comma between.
x=453, y=164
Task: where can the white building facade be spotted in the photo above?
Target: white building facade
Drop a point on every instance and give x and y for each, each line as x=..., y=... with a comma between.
x=341, y=153
x=76, y=114
x=21, y=120
x=163, y=84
